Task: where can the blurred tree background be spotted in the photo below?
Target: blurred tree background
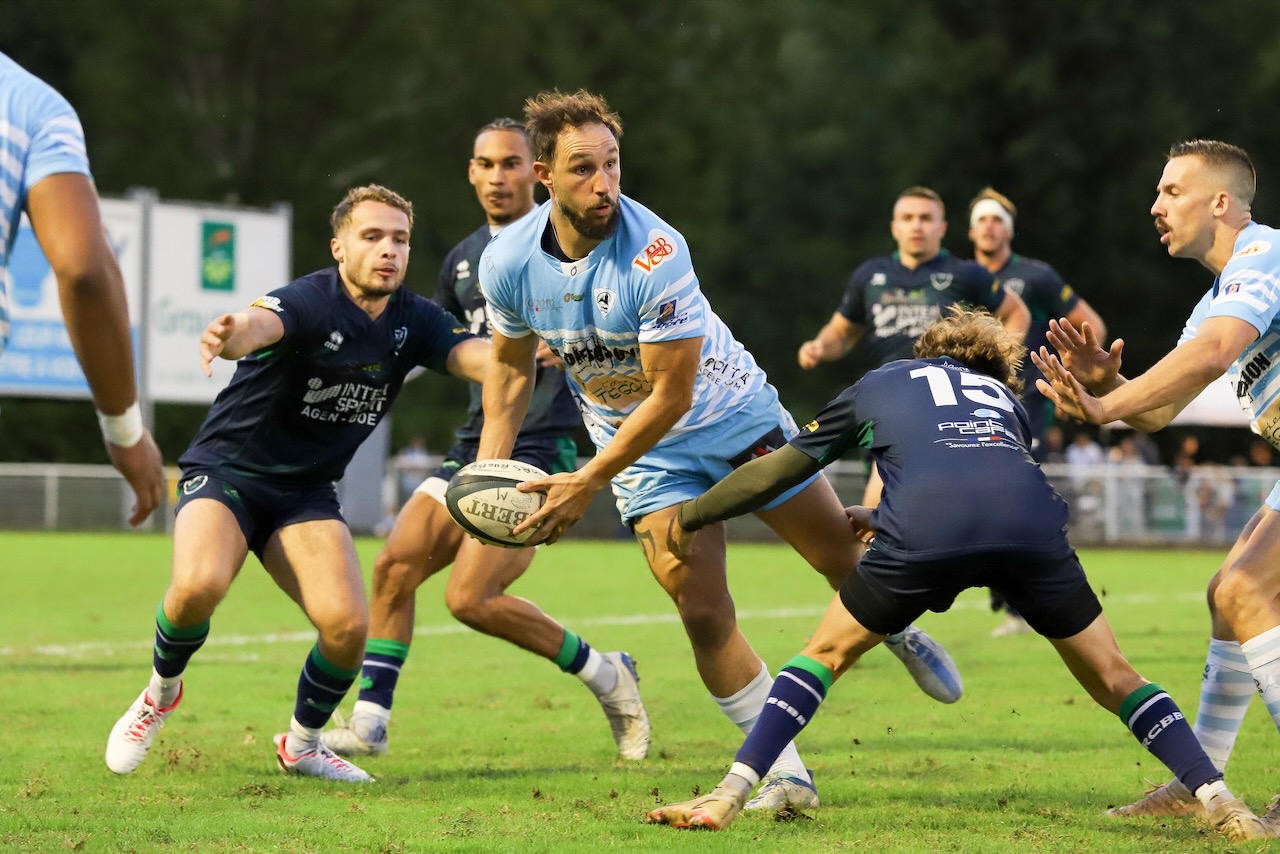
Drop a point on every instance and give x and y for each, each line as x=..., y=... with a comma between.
x=773, y=134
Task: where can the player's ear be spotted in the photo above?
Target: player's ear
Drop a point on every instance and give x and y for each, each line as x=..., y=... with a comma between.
x=335, y=247
x=542, y=171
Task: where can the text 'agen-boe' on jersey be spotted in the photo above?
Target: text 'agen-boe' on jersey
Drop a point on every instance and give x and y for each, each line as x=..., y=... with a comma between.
x=298, y=410
x=951, y=445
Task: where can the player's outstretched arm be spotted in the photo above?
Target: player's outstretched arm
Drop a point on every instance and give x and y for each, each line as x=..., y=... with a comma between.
x=1014, y=315
x=234, y=336
x=833, y=341
x=508, y=387
x=1081, y=352
x=469, y=359
x=64, y=215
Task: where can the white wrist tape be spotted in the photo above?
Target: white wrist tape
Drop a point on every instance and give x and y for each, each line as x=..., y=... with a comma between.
x=124, y=429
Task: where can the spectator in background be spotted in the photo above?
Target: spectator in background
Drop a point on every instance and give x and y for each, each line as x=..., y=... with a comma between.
x=47, y=170
x=413, y=464
x=1085, y=457
x=1054, y=449
x=1129, y=469
x=1261, y=453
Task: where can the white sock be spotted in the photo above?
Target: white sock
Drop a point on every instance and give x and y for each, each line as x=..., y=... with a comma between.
x=746, y=772
x=163, y=690
x=301, y=738
x=1225, y=693
x=598, y=673
x=1209, y=791
x=744, y=708
x=370, y=709
x=1263, y=655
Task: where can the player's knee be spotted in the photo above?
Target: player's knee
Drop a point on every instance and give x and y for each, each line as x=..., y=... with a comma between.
x=469, y=606
x=344, y=631
x=1238, y=590
x=193, y=596
x=1211, y=591
x=394, y=578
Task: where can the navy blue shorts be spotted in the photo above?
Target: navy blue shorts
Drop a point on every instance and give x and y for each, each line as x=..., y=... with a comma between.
x=1050, y=591
x=261, y=507
x=552, y=454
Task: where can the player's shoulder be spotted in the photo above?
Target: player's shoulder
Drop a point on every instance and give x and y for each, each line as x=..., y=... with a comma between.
x=1257, y=247
x=510, y=250
x=645, y=244
x=30, y=101
x=878, y=265
x=470, y=246
x=964, y=268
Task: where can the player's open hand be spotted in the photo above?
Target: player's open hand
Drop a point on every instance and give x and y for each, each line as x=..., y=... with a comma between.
x=860, y=521
x=1082, y=354
x=142, y=466
x=1069, y=396
x=214, y=338
x=568, y=496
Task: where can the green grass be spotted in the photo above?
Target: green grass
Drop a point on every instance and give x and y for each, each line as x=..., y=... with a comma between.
x=495, y=750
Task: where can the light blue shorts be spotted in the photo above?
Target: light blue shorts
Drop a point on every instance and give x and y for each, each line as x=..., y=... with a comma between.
x=1273, y=500
x=693, y=463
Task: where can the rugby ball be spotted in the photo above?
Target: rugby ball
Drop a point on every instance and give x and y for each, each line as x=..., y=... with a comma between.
x=483, y=499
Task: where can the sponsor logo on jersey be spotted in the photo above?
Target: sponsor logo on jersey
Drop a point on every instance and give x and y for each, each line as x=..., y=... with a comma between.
x=986, y=413
x=335, y=340
x=271, y=303
x=603, y=300
x=574, y=297
x=344, y=402
x=1233, y=288
x=812, y=426
x=463, y=270
x=1016, y=286
x=595, y=352
x=940, y=281
x=1065, y=293
x=878, y=279
x=194, y=484
x=1249, y=373
x=1257, y=247
x=661, y=247
x=541, y=304
x=667, y=316
x=402, y=335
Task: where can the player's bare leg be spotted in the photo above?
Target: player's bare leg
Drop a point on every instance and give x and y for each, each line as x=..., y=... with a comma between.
x=815, y=525
x=208, y=551
x=315, y=563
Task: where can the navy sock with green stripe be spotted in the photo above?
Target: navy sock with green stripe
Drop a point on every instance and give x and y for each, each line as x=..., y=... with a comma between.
x=321, y=687
x=1156, y=721
x=175, y=644
x=380, y=672
x=800, y=688
x=574, y=652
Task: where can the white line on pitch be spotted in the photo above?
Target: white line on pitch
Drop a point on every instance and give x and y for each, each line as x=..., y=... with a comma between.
x=110, y=648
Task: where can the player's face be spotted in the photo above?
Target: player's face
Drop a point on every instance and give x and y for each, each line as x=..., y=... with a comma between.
x=918, y=227
x=372, y=251
x=990, y=235
x=1184, y=205
x=501, y=170
x=586, y=179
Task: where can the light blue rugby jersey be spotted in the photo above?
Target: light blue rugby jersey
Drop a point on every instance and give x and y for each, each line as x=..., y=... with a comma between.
x=636, y=287
x=40, y=135
x=1249, y=289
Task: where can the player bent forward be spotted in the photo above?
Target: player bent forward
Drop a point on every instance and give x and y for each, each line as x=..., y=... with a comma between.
x=321, y=361
x=993, y=520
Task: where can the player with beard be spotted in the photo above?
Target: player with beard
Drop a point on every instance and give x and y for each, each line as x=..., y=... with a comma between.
x=321, y=360
x=671, y=400
x=425, y=539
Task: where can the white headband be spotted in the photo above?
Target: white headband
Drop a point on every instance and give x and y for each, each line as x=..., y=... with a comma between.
x=990, y=207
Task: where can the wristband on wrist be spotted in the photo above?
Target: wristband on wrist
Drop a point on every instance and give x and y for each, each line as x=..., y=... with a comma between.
x=124, y=429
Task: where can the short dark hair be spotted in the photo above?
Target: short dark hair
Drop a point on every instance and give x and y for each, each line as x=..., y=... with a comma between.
x=978, y=341
x=505, y=123
x=369, y=193
x=919, y=192
x=547, y=114
x=1242, y=178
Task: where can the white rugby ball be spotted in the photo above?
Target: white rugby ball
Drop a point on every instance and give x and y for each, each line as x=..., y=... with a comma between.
x=483, y=499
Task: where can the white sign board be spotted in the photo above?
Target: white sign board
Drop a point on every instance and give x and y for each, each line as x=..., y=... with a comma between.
x=204, y=261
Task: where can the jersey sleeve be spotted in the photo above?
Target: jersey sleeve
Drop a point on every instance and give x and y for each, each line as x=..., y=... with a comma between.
x=1197, y=316
x=446, y=297
x=1249, y=287
x=1060, y=297
x=299, y=306
x=853, y=305
x=836, y=429
x=501, y=290
x=670, y=302
x=57, y=141
x=438, y=332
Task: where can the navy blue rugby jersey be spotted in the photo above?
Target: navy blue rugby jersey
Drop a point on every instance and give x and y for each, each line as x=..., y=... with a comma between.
x=1046, y=295
x=951, y=445
x=895, y=305
x=296, y=411
x=552, y=411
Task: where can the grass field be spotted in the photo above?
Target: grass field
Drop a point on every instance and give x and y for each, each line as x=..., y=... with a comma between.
x=495, y=750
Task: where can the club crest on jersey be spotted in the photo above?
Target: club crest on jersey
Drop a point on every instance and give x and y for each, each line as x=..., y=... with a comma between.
x=402, y=334
x=661, y=247
x=194, y=484
x=603, y=300
x=879, y=279
x=335, y=340
x=940, y=281
x=1015, y=286
x=270, y=303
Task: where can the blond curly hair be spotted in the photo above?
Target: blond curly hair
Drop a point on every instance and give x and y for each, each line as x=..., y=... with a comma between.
x=977, y=340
